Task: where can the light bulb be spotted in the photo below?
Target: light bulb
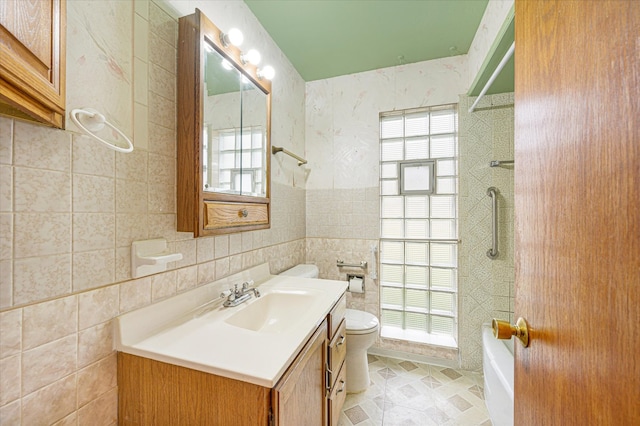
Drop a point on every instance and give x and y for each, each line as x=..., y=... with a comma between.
x=234, y=36
x=252, y=56
x=267, y=72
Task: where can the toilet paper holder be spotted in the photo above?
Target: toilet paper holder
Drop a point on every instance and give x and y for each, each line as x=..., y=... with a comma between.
x=352, y=276
x=341, y=264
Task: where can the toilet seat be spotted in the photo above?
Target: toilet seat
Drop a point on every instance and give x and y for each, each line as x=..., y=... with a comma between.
x=360, y=322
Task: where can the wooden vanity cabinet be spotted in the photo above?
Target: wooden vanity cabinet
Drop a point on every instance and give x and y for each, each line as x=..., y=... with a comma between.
x=32, y=69
x=336, y=366
x=299, y=397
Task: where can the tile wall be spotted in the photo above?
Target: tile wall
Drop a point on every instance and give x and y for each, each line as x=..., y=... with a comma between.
x=70, y=208
x=486, y=286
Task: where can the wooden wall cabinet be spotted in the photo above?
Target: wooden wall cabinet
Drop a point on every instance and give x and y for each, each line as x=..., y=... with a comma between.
x=32, y=65
x=156, y=393
x=224, y=127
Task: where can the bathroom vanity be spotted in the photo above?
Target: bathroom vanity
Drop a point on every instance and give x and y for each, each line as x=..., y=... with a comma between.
x=274, y=360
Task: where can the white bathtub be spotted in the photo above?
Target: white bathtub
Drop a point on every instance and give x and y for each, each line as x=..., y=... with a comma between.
x=497, y=365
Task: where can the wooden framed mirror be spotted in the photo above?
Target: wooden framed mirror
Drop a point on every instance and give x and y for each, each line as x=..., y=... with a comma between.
x=224, y=129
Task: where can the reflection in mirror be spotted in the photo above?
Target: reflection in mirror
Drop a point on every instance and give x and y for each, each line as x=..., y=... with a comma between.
x=234, y=130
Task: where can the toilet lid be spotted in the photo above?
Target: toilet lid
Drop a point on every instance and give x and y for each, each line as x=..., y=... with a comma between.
x=360, y=322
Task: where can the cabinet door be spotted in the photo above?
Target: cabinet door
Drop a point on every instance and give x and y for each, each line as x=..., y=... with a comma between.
x=299, y=397
x=32, y=79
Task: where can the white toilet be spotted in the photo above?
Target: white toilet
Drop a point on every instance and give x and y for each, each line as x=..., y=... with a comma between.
x=362, y=331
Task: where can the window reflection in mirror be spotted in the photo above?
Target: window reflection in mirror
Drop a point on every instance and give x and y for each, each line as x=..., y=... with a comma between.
x=234, y=130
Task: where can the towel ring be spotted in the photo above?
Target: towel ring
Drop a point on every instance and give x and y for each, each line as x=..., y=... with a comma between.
x=94, y=122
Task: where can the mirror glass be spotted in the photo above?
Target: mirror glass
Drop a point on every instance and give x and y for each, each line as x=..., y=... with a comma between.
x=234, y=130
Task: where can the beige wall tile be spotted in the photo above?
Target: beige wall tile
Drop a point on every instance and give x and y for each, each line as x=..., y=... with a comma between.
x=49, y=321
x=163, y=54
x=205, y=249
x=45, y=364
x=131, y=227
x=162, y=82
x=6, y=188
x=70, y=420
x=132, y=166
x=131, y=197
x=51, y=403
x=163, y=25
x=95, y=343
x=235, y=244
x=102, y=411
x=206, y=272
x=222, y=268
x=162, y=140
x=38, y=278
x=97, y=379
x=91, y=158
x=9, y=379
x=93, y=231
x=37, y=190
x=135, y=294
x=11, y=332
x=98, y=306
x=123, y=264
x=162, y=111
x=221, y=246
x=186, y=278
x=41, y=147
x=10, y=414
x=141, y=8
x=6, y=283
x=6, y=140
x=162, y=170
x=41, y=234
x=93, y=194
x=163, y=285
x=162, y=198
x=188, y=250
x=6, y=236
x=93, y=269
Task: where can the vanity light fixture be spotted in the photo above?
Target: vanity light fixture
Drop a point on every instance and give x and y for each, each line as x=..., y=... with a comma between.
x=252, y=57
x=234, y=36
x=267, y=73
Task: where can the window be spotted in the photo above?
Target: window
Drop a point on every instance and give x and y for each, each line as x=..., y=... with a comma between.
x=236, y=160
x=419, y=224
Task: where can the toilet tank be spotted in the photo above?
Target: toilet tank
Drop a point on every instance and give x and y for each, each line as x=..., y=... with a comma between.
x=302, y=271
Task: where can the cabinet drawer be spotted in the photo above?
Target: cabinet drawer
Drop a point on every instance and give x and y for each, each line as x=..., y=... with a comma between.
x=338, y=350
x=337, y=315
x=337, y=396
x=224, y=215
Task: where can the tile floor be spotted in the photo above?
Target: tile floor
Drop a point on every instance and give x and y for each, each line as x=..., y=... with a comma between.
x=405, y=393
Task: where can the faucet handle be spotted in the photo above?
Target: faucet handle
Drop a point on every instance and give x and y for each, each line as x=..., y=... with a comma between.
x=247, y=284
x=225, y=293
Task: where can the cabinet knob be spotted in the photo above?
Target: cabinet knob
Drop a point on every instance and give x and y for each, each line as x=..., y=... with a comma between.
x=243, y=213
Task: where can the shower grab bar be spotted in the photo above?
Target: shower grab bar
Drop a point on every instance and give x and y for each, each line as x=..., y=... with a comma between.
x=493, y=253
x=277, y=149
x=341, y=264
x=500, y=163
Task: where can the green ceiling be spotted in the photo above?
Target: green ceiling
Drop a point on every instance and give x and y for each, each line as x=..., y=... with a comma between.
x=328, y=38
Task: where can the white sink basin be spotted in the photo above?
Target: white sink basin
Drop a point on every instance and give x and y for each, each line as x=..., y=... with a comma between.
x=272, y=313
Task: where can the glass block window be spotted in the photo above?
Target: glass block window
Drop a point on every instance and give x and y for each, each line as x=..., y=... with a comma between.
x=419, y=224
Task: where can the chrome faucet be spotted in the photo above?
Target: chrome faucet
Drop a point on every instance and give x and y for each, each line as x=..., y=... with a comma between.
x=237, y=296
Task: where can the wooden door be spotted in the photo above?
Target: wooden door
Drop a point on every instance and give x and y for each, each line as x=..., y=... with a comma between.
x=577, y=201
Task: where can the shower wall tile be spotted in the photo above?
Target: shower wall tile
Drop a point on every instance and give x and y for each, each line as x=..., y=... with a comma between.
x=485, y=285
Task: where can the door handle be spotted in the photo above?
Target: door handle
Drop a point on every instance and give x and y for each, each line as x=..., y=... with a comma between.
x=504, y=330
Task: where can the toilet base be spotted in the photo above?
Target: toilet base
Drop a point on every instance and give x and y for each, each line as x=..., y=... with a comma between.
x=357, y=366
